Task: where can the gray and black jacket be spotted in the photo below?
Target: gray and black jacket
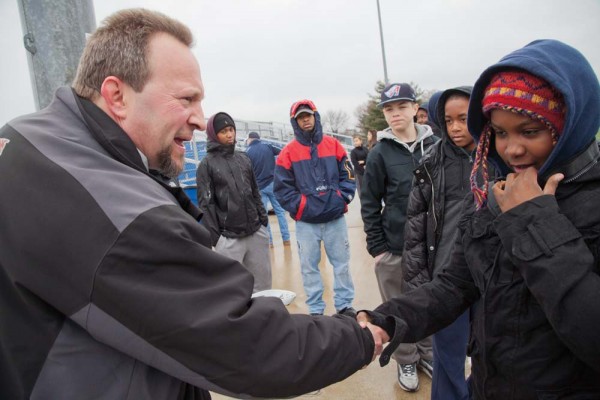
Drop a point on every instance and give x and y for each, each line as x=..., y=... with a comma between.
x=109, y=289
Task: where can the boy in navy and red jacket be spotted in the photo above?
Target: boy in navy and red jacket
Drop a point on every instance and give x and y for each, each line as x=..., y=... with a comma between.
x=314, y=183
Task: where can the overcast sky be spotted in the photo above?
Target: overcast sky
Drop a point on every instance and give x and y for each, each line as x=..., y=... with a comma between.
x=259, y=56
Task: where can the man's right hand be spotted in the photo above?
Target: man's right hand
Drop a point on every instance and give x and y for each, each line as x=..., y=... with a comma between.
x=363, y=318
x=380, y=336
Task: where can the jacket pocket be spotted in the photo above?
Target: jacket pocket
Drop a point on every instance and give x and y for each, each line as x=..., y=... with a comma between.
x=481, y=245
x=542, y=237
x=322, y=207
x=301, y=208
x=344, y=200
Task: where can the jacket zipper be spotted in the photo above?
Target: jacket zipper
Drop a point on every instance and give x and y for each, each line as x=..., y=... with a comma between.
x=582, y=172
x=432, y=198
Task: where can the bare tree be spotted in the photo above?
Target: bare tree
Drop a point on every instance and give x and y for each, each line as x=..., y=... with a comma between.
x=427, y=95
x=335, y=121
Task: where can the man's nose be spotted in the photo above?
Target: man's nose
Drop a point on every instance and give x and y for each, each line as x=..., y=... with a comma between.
x=197, y=118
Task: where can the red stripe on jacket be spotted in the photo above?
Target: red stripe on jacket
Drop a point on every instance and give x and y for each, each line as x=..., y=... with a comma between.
x=296, y=152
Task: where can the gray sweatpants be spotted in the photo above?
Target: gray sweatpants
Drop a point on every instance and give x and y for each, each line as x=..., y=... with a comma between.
x=389, y=278
x=253, y=252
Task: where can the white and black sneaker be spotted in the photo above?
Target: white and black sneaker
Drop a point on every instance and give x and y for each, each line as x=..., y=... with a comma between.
x=407, y=377
x=426, y=366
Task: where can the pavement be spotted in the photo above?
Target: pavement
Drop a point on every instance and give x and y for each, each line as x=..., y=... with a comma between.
x=372, y=382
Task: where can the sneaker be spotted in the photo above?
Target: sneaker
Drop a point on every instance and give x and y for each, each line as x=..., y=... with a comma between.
x=348, y=311
x=287, y=243
x=426, y=366
x=407, y=377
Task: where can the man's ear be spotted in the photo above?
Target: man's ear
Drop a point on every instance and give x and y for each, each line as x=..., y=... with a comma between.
x=113, y=92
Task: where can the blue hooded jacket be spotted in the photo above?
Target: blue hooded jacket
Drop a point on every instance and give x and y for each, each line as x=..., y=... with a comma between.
x=569, y=72
x=432, y=108
x=262, y=155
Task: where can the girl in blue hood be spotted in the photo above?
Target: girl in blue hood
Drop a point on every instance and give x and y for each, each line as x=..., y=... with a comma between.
x=527, y=255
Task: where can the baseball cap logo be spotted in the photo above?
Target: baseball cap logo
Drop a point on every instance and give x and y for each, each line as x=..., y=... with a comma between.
x=3, y=143
x=393, y=91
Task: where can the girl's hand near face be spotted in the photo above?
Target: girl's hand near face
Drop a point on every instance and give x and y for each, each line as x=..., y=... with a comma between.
x=521, y=187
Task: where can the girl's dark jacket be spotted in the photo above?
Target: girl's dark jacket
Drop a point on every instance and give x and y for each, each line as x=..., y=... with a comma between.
x=228, y=194
x=440, y=184
x=531, y=274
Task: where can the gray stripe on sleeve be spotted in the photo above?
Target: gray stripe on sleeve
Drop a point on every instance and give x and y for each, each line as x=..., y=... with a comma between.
x=60, y=133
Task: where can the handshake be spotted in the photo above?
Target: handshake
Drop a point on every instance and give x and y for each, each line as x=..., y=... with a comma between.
x=380, y=336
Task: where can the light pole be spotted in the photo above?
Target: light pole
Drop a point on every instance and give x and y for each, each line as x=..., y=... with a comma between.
x=385, y=75
x=54, y=37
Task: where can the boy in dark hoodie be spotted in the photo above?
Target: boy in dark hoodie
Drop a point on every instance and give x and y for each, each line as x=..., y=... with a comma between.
x=440, y=185
x=230, y=200
x=527, y=255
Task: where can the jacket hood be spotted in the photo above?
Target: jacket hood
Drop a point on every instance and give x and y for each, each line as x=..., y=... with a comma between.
x=423, y=132
x=441, y=107
x=306, y=138
x=432, y=107
x=211, y=135
x=570, y=73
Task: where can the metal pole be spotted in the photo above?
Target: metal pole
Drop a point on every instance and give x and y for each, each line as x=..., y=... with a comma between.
x=54, y=36
x=385, y=75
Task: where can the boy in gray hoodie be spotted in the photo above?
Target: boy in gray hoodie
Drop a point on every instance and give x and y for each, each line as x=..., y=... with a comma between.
x=388, y=180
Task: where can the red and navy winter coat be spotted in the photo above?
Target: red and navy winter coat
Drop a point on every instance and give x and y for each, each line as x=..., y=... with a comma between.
x=313, y=180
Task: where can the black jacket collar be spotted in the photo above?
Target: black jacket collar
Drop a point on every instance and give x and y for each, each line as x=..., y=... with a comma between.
x=216, y=147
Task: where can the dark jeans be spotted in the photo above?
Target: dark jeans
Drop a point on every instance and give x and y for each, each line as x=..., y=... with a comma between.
x=449, y=353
